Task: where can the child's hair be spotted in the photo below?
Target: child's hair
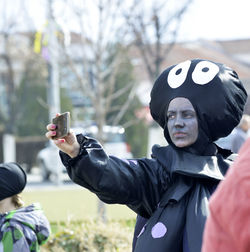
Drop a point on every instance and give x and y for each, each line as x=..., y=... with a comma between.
x=17, y=200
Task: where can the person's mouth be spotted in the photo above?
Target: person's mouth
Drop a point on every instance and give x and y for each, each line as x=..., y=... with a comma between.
x=180, y=134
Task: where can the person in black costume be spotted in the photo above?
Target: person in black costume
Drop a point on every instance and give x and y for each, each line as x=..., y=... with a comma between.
x=195, y=102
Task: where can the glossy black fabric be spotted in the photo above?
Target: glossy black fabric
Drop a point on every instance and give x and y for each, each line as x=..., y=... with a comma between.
x=116, y=180
x=12, y=180
x=172, y=188
x=219, y=102
x=218, y=98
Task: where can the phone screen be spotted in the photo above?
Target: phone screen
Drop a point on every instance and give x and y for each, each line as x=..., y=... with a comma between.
x=62, y=123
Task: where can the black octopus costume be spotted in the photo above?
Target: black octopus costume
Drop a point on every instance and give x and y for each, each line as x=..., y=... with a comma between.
x=171, y=189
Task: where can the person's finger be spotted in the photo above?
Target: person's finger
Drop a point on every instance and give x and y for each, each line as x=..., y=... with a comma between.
x=51, y=126
x=50, y=134
x=59, y=142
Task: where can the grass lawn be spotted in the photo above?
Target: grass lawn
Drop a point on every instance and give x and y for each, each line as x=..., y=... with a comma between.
x=72, y=204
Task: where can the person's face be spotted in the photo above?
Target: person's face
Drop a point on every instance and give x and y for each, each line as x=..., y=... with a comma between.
x=182, y=122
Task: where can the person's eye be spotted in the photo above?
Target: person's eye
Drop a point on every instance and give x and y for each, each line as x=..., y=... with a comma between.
x=204, y=72
x=170, y=116
x=188, y=115
x=178, y=74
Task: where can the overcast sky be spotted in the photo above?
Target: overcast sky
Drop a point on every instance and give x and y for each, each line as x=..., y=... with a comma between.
x=205, y=19
x=216, y=19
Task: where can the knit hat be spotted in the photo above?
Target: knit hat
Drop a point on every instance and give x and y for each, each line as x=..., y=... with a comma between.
x=12, y=179
x=214, y=90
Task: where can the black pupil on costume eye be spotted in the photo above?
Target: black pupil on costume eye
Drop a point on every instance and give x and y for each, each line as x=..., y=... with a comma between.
x=205, y=69
x=178, y=71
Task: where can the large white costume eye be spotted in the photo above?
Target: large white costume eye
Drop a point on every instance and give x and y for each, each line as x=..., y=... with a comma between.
x=178, y=74
x=204, y=72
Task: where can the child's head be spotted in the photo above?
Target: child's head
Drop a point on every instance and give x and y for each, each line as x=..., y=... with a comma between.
x=12, y=182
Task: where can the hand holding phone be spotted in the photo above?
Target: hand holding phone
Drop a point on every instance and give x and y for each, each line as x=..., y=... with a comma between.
x=62, y=123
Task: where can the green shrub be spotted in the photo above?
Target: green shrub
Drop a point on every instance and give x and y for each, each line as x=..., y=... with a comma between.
x=91, y=236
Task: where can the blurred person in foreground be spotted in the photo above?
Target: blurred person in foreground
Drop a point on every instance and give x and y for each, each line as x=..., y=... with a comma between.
x=22, y=229
x=228, y=225
x=240, y=134
x=195, y=102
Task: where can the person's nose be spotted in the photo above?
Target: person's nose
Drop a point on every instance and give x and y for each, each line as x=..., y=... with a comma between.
x=179, y=122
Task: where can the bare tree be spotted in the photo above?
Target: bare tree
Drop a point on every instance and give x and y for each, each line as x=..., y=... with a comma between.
x=155, y=29
x=98, y=59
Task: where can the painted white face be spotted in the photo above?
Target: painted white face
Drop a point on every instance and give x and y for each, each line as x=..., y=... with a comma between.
x=182, y=122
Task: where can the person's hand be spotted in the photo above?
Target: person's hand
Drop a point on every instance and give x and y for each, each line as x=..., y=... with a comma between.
x=67, y=144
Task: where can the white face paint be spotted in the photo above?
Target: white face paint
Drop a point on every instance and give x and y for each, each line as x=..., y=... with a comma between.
x=204, y=72
x=178, y=74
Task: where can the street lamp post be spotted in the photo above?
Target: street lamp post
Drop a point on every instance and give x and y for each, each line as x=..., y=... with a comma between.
x=53, y=73
x=53, y=88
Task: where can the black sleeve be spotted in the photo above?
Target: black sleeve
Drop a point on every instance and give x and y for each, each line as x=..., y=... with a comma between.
x=137, y=183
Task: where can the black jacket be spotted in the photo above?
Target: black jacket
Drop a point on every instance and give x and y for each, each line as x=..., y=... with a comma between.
x=171, y=190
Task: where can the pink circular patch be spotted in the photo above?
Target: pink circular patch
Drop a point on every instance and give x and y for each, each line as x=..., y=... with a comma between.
x=158, y=230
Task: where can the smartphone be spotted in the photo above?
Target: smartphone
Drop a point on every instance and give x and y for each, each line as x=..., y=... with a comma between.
x=62, y=123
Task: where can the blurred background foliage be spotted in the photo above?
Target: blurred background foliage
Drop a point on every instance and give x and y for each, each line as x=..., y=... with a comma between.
x=91, y=236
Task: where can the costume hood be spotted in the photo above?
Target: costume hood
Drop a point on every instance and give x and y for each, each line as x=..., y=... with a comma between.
x=214, y=90
x=12, y=180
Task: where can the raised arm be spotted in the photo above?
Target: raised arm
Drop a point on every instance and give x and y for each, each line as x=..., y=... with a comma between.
x=136, y=183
